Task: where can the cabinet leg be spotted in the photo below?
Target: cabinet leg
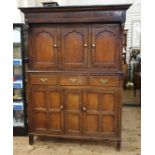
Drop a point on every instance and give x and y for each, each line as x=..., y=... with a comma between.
x=31, y=140
x=118, y=145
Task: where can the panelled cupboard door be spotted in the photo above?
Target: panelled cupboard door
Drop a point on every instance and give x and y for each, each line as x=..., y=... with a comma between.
x=74, y=48
x=38, y=108
x=105, y=51
x=44, y=45
x=100, y=112
x=55, y=105
x=47, y=106
x=73, y=115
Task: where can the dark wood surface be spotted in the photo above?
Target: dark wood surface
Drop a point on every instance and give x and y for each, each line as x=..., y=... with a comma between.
x=74, y=71
x=76, y=14
x=71, y=46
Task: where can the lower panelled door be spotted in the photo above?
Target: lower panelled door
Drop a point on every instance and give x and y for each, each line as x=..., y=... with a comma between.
x=47, y=113
x=100, y=112
x=73, y=114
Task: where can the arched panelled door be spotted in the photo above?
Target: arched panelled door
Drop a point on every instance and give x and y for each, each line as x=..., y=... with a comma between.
x=44, y=48
x=74, y=42
x=105, y=46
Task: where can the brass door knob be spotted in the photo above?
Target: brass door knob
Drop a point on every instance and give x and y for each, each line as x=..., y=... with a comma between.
x=93, y=45
x=61, y=107
x=55, y=45
x=84, y=108
x=85, y=45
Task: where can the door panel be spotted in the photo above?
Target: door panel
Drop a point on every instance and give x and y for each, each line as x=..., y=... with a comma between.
x=40, y=120
x=38, y=108
x=47, y=108
x=55, y=98
x=43, y=47
x=55, y=110
x=100, y=116
x=73, y=116
x=107, y=124
x=40, y=99
x=92, y=101
x=108, y=102
x=91, y=114
x=92, y=123
x=73, y=101
x=44, y=42
x=105, y=46
x=55, y=121
x=108, y=112
x=74, y=47
x=73, y=122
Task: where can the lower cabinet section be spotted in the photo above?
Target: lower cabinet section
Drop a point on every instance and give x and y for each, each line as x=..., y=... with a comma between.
x=77, y=111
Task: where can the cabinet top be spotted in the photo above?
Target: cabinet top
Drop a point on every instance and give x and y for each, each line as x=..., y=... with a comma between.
x=75, y=14
x=75, y=8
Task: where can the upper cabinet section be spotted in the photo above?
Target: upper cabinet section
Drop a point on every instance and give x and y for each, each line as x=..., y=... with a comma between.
x=76, y=14
x=70, y=46
x=77, y=37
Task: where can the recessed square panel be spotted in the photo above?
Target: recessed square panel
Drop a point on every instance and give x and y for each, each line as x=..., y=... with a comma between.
x=73, y=122
x=107, y=124
x=105, y=47
x=73, y=47
x=108, y=102
x=40, y=120
x=43, y=46
x=92, y=101
x=92, y=123
x=39, y=99
x=54, y=100
x=55, y=120
x=73, y=101
x=74, y=41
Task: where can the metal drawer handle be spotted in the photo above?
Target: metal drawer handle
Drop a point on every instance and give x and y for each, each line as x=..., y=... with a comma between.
x=103, y=81
x=43, y=79
x=73, y=80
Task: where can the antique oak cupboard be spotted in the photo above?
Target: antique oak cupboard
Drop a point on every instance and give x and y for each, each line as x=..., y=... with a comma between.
x=74, y=75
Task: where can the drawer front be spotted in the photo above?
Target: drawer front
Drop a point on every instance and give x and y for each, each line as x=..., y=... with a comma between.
x=103, y=81
x=43, y=79
x=73, y=80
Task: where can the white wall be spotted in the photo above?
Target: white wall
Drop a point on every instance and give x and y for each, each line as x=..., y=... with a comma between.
x=86, y=2
x=133, y=14
x=32, y=3
x=18, y=16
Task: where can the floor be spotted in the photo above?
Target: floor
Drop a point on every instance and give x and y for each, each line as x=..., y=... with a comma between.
x=131, y=136
x=130, y=98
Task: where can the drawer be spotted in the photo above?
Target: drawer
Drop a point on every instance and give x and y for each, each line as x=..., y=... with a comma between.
x=43, y=79
x=103, y=81
x=73, y=80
